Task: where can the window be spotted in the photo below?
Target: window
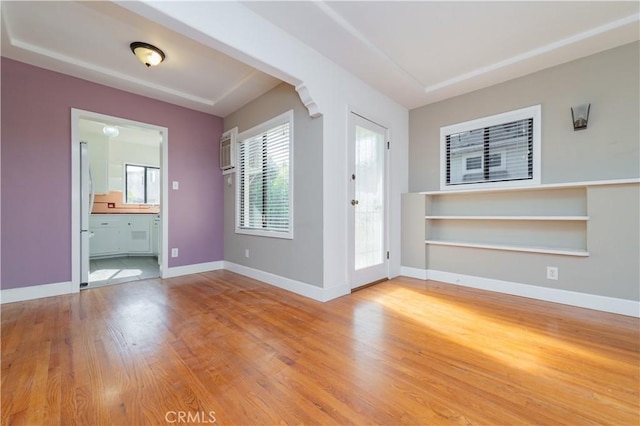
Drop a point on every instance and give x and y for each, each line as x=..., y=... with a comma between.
x=142, y=184
x=264, y=195
x=474, y=163
x=501, y=150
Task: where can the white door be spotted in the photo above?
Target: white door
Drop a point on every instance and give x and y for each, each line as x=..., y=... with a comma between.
x=368, y=193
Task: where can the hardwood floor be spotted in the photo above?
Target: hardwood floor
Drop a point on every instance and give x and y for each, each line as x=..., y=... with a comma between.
x=221, y=348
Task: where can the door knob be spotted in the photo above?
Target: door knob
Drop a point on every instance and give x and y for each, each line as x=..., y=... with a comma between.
x=354, y=202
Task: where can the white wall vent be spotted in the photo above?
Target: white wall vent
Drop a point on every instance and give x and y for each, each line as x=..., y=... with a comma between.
x=227, y=151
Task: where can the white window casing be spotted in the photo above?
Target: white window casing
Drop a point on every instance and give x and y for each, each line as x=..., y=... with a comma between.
x=502, y=150
x=264, y=181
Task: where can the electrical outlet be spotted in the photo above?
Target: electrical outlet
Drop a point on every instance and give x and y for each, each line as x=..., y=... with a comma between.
x=552, y=272
x=174, y=252
x=246, y=253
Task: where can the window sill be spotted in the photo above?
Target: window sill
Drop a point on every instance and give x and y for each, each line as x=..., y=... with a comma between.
x=268, y=234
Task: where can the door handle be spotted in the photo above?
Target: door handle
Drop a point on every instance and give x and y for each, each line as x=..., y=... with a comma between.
x=354, y=202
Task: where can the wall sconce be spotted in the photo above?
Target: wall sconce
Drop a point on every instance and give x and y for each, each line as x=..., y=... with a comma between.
x=147, y=53
x=580, y=116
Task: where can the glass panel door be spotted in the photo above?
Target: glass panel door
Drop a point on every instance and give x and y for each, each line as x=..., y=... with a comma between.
x=369, y=192
x=368, y=252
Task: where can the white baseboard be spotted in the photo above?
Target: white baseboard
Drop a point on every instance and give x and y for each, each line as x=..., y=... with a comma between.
x=197, y=268
x=582, y=300
x=313, y=292
x=298, y=287
x=565, y=297
x=37, y=291
x=418, y=273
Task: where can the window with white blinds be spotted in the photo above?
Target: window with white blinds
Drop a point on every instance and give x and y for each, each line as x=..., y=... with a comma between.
x=501, y=150
x=265, y=179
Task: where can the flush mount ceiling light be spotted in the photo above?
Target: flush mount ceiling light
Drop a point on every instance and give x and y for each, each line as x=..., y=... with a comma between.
x=110, y=131
x=147, y=53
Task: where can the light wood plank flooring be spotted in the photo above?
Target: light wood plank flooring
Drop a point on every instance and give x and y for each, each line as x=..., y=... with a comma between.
x=221, y=348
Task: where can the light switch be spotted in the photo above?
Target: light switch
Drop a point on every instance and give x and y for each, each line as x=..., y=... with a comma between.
x=175, y=184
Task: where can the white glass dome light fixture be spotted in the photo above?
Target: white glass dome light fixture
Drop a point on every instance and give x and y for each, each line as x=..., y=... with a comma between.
x=147, y=53
x=110, y=131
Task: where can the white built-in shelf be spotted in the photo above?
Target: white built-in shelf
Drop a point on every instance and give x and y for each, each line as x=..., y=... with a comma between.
x=564, y=252
x=468, y=190
x=554, y=218
x=548, y=218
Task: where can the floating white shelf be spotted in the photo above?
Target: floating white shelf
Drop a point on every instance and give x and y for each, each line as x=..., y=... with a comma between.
x=546, y=218
x=468, y=190
x=553, y=218
x=565, y=252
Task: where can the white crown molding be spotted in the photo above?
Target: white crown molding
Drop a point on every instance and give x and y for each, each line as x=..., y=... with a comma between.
x=346, y=25
x=241, y=82
x=534, y=53
x=19, y=44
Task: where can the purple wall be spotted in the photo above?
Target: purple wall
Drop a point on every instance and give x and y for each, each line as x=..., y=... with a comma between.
x=36, y=171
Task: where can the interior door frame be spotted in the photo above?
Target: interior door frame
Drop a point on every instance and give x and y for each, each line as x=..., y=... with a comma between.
x=350, y=194
x=76, y=115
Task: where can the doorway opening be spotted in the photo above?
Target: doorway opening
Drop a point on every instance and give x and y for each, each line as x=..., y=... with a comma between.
x=119, y=200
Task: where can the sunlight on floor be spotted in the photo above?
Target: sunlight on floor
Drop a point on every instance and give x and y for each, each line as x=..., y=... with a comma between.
x=461, y=325
x=117, y=270
x=102, y=274
x=127, y=273
x=107, y=274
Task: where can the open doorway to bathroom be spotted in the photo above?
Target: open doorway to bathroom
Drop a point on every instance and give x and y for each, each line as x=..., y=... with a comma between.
x=120, y=199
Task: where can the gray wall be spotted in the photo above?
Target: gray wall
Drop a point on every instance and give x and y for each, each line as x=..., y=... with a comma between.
x=301, y=258
x=608, y=149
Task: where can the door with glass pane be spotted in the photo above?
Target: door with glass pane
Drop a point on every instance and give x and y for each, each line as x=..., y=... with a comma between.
x=367, y=202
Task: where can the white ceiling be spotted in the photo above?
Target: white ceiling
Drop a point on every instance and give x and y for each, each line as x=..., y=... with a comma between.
x=414, y=52
x=421, y=52
x=91, y=40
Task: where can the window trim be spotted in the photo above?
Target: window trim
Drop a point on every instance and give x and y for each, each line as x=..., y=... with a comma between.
x=126, y=184
x=534, y=112
x=286, y=117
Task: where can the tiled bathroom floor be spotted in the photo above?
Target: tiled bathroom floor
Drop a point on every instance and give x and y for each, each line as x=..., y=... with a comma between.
x=118, y=270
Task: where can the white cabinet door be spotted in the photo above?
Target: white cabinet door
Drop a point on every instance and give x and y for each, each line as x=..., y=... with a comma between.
x=105, y=235
x=115, y=234
x=138, y=233
x=104, y=241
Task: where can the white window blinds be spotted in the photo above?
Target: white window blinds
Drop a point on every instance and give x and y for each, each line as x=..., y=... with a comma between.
x=501, y=150
x=495, y=153
x=264, y=196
